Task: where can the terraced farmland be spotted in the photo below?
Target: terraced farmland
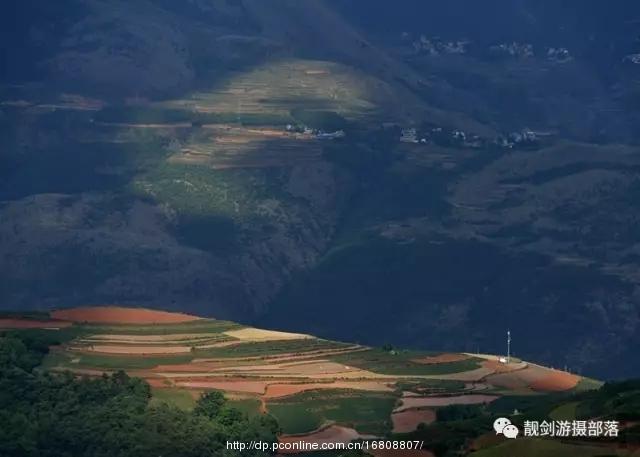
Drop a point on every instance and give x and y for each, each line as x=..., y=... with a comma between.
x=325, y=390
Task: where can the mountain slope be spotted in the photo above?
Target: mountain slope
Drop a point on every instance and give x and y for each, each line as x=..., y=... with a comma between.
x=156, y=153
x=307, y=383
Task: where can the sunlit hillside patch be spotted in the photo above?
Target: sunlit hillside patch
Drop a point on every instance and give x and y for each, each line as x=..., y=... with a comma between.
x=278, y=87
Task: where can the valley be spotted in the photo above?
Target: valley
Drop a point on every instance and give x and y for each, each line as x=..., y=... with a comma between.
x=184, y=159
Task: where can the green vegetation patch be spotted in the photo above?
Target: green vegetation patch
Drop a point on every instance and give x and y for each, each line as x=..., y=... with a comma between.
x=366, y=412
x=619, y=400
x=248, y=406
x=211, y=233
x=201, y=191
x=197, y=326
x=329, y=121
x=117, y=362
x=431, y=386
x=179, y=398
x=59, y=414
x=566, y=412
x=29, y=315
x=400, y=363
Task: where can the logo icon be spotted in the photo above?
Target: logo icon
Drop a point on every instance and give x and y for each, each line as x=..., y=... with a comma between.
x=503, y=426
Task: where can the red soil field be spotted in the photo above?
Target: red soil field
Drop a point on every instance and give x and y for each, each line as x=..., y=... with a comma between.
x=121, y=315
x=30, y=323
x=499, y=367
x=555, y=381
x=408, y=421
x=535, y=377
x=158, y=382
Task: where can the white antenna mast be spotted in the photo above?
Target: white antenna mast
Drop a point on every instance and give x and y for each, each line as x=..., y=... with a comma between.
x=508, y=346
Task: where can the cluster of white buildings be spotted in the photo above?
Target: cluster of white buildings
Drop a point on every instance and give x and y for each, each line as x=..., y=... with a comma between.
x=526, y=50
x=513, y=49
x=633, y=58
x=318, y=134
x=522, y=137
x=409, y=136
x=435, y=46
x=559, y=55
x=457, y=137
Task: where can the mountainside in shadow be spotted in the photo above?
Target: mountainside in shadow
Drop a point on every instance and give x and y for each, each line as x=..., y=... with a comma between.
x=243, y=159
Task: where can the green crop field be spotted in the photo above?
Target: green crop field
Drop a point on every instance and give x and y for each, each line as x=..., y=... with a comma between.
x=175, y=397
x=270, y=348
x=197, y=326
x=116, y=362
x=565, y=412
x=431, y=386
x=248, y=406
x=385, y=362
x=305, y=412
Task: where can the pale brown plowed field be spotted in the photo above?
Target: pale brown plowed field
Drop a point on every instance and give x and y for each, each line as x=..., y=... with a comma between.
x=420, y=402
x=408, y=421
x=137, y=350
x=250, y=387
x=283, y=390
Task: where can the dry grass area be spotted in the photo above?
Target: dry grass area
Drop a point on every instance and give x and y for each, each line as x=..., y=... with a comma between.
x=137, y=350
x=120, y=315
